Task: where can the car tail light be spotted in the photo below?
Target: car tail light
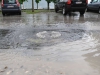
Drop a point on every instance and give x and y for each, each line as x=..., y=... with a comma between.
x=18, y=4
x=87, y=1
x=69, y=2
x=2, y=4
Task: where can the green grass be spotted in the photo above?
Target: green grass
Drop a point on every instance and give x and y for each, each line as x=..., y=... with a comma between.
x=37, y=11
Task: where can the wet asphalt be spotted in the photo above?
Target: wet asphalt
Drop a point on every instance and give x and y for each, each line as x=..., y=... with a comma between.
x=49, y=43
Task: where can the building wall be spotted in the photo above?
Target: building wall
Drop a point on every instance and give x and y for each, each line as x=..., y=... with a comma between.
x=41, y=5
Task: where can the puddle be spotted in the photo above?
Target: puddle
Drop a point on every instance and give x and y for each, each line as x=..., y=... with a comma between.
x=4, y=43
x=54, y=44
x=38, y=38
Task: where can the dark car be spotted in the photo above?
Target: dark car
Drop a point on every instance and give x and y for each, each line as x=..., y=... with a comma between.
x=94, y=6
x=68, y=6
x=10, y=6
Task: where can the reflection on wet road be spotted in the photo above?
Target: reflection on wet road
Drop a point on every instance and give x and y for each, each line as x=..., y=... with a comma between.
x=55, y=44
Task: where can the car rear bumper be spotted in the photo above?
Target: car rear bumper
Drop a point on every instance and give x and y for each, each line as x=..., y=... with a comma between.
x=78, y=8
x=10, y=10
x=70, y=8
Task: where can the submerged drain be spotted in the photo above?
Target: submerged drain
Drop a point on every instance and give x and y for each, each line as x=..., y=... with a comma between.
x=10, y=39
x=45, y=34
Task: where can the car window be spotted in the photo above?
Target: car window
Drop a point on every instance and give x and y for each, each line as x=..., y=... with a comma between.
x=95, y=1
x=63, y=0
x=9, y=1
x=58, y=0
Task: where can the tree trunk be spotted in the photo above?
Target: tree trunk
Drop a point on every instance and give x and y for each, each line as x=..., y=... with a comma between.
x=48, y=5
x=32, y=5
x=37, y=6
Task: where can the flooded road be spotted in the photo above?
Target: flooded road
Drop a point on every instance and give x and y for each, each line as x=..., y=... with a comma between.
x=50, y=44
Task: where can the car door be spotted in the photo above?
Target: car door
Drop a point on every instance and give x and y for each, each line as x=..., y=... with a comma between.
x=95, y=4
x=60, y=4
x=90, y=5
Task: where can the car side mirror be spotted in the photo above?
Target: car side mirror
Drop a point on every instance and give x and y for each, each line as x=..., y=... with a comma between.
x=91, y=2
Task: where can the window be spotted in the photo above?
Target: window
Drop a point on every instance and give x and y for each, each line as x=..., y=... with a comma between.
x=9, y=1
x=95, y=1
x=57, y=0
x=63, y=0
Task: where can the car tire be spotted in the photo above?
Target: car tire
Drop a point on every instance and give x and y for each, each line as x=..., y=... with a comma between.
x=82, y=12
x=3, y=14
x=99, y=10
x=64, y=11
x=87, y=10
x=56, y=9
x=19, y=13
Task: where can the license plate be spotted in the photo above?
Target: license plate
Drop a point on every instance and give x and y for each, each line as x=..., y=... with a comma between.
x=78, y=2
x=10, y=6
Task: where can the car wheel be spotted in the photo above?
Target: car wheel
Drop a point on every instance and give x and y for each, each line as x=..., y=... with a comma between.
x=87, y=10
x=56, y=9
x=64, y=11
x=3, y=14
x=99, y=11
x=19, y=13
x=82, y=12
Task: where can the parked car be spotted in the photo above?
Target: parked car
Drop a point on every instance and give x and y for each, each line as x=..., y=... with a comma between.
x=68, y=6
x=10, y=6
x=94, y=5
